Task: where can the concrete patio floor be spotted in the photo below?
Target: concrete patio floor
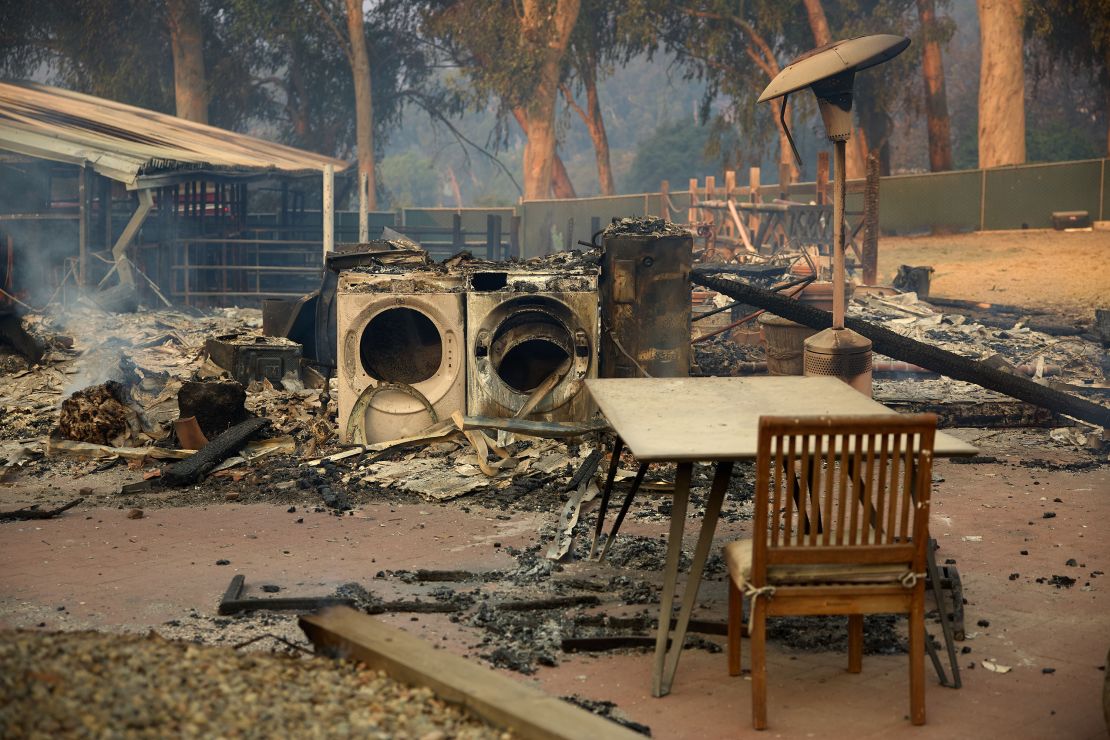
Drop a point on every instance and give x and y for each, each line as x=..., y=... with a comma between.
x=112, y=573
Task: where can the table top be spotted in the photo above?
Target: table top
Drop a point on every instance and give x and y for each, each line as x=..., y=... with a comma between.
x=708, y=419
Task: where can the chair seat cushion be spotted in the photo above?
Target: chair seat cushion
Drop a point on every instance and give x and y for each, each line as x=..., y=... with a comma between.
x=738, y=557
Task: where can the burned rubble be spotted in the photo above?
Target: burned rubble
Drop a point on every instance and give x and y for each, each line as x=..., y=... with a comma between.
x=267, y=426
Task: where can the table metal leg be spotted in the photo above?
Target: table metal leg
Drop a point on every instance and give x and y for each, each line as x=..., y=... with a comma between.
x=670, y=571
x=942, y=609
x=693, y=580
x=618, y=445
x=625, y=505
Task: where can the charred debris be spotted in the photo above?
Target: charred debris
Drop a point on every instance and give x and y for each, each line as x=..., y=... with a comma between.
x=403, y=379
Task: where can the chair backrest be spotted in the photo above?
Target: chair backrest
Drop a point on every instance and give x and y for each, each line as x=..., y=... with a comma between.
x=842, y=490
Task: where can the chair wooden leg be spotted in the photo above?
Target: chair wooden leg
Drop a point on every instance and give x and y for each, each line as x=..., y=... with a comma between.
x=917, y=656
x=855, y=643
x=735, y=624
x=757, y=632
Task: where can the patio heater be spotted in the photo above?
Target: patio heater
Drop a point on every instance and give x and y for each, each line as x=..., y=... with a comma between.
x=830, y=72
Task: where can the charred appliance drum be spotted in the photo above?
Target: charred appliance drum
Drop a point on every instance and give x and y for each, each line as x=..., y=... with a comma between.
x=531, y=341
x=400, y=353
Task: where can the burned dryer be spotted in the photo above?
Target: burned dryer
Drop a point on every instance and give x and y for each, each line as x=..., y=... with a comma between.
x=531, y=340
x=400, y=353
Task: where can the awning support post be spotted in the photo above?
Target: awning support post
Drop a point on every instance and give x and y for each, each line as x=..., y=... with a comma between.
x=119, y=251
x=329, y=209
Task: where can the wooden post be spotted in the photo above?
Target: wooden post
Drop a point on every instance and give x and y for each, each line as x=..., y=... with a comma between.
x=730, y=183
x=493, y=236
x=822, y=178
x=106, y=210
x=870, y=256
x=710, y=187
x=363, y=207
x=514, y=236
x=328, y=210
x=458, y=243
x=664, y=199
x=754, y=197
x=692, y=215
x=82, y=225
x=785, y=174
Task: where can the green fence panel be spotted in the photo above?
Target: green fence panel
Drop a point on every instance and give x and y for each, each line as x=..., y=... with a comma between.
x=1104, y=201
x=1025, y=196
x=921, y=203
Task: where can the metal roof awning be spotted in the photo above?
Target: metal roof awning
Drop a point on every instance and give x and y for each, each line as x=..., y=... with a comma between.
x=140, y=148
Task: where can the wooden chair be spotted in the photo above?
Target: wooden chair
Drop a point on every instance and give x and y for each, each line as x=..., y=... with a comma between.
x=841, y=527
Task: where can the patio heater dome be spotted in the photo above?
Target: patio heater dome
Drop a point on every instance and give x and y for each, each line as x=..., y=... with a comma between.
x=830, y=71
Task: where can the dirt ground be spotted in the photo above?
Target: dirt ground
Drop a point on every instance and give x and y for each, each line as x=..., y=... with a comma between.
x=1024, y=524
x=1066, y=272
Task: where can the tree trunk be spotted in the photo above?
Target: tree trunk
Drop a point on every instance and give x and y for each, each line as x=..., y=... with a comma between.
x=364, y=102
x=936, y=100
x=601, y=142
x=856, y=165
x=189, y=86
x=561, y=185
x=596, y=126
x=818, y=23
x=1001, y=84
x=547, y=32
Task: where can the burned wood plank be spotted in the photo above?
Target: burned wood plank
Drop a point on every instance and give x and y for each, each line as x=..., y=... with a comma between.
x=194, y=468
x=555, y=602
x=605, y=643
x=903, y=348
x=454, y=576
x=34, y=513
x=496, y=698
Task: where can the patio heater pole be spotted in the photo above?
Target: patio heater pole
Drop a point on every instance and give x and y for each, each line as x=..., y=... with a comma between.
x=839, y=184
x=830, y=73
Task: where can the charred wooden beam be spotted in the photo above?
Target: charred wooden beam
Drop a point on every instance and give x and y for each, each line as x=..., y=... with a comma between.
x=194, y=468
x=1003, y=413
x=555, y=602
x=903, y=348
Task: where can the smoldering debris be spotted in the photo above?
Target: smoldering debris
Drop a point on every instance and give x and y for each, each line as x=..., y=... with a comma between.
x=103, y=414
x=110, y=387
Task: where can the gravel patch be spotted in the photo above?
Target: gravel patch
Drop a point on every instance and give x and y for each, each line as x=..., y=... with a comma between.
x=92, y=684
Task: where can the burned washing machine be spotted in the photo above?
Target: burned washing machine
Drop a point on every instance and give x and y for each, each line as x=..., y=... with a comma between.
x=531, y=339
x=400, y=354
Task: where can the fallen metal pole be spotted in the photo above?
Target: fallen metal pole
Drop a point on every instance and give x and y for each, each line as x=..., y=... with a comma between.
x=903, y=348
